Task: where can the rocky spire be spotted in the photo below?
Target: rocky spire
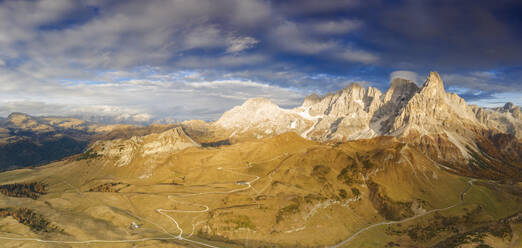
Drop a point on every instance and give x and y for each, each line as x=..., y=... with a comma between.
x=433, y=86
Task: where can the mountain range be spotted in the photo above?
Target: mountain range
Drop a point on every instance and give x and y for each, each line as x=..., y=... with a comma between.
x=440, y=123
x=411, y=167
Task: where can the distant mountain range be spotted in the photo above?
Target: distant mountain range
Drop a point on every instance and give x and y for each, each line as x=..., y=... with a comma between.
x=27, y=140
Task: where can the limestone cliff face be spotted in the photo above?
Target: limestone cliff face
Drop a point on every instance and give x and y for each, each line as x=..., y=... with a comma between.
x=432, y=110
x=346, y=114
x=393, y=102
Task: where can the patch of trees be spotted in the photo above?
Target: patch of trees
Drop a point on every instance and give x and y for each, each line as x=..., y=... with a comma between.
x=320, y=172
x=109, y=187
x=29, y=190
x=350, y=174
x=457, y=230
x=89, y=154
x=216, y=143
x=35, y=221
x=498, y=228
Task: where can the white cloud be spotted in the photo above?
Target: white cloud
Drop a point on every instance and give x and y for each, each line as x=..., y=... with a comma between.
x=144, y=100
x=238, y=44
x=332, y=27
x=290, y=37
x=295, y=38
x=226, y=61
x=357, y=56
x=204, y=37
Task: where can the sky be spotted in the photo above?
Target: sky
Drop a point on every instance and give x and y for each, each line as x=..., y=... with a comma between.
x=146, y=61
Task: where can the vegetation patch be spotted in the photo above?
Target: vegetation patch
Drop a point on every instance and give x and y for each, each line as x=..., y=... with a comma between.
x=320, y=172
x=35, y=221
x=109, y=187
x=457, y=230
x=89, y=154
x=29, y=190
x=388, y=208
x=286, y=211
x=350, y=174
x=499, y=228
x=241, y=221
x=216, y=143
x=356, y=192
x=310, y=198
x=343, y=194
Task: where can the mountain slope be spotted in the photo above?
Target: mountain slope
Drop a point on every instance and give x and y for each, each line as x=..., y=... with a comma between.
x=277, y=192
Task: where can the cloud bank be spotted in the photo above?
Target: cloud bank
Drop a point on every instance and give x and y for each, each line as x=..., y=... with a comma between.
x=186, y=59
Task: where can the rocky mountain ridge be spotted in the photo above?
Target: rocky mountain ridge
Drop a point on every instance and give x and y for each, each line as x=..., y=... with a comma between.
x=357, y=112
x=441, y=123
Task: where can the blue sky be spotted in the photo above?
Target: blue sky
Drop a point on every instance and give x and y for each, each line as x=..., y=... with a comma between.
x=194, y=59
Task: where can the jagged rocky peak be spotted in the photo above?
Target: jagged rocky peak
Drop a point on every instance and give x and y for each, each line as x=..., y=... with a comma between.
x=311, y=100
x=354, y=98
x=508, y=106
x=401, y=90
x=433, y=85
x=354, y=90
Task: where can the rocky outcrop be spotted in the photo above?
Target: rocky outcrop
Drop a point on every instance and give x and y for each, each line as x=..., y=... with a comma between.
x=122, y=152
x=506, y=119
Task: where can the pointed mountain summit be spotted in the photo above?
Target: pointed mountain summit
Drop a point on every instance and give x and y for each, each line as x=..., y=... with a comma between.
x=433, y=85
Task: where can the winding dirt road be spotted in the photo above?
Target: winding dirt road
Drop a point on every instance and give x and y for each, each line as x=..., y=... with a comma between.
x=161, y=212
